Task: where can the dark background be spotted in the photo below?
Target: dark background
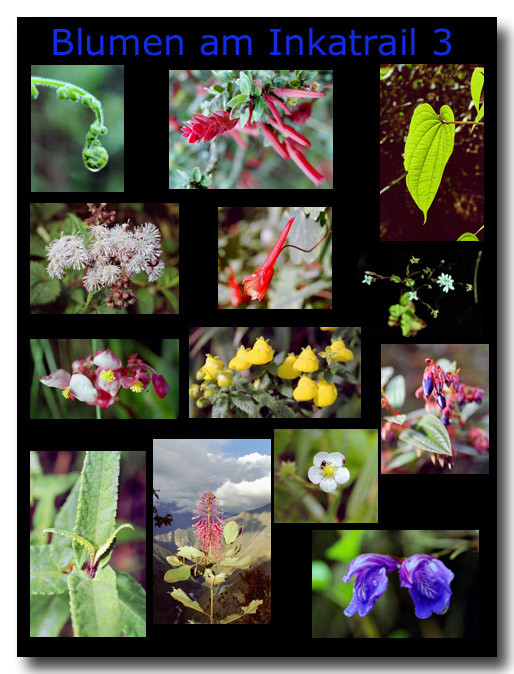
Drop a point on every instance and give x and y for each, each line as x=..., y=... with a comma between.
x=405, y=502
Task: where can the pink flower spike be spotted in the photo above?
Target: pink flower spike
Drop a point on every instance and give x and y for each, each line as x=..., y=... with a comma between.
x=82, y=389
x=304, y=165
x=209, y=528
x=297, y=93
x=160, y=385
x=57, y=379
x=107, y=360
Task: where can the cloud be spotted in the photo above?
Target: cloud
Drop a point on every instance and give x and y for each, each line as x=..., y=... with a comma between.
x=185, y=468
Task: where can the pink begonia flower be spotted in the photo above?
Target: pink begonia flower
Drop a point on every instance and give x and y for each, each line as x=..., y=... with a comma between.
x=73, y=386
x=100, y=387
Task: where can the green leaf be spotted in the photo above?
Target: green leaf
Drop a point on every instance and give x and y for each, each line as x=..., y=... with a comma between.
x=48, y=615
x=182, y=597
x=477, y=84
x=43, y=289
x=230, y=532
x=103, y=549
x=245, y=610
x=78, y=539
x=236, y=100
x=259, y=107
x=395, y=391
x=236, y=562
x=197, y=174
x=244, y=83
x=177, y=574
x=47, y=564
x=98, y=500
x=132, y=605
x=173, y=560
x=168, y=278
x=190, y=552
x=145, y=301
x=94, y=602
x=66, y=516
x=53, y=485
x=434, y=439
x=428, y=147
x=245, y=404
x=401, y=459
x=468, y=236
x=244, y=116
x=397, y=419
x=321, y=576
x=220, y=407
x=385, y=375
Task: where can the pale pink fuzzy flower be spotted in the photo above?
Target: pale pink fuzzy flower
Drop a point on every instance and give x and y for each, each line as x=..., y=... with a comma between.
x=209, y=528
x=110, y=274
x=66, y=251
x=154, y=272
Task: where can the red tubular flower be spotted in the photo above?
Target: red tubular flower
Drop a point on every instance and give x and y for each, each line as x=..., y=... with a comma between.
x=271, y=105
x=257, y=283
x=279, y=147
x=288, y=131
x=236, y=294
x=202, y=128
x=298, y=93
x=301, y=113
x=303, y=164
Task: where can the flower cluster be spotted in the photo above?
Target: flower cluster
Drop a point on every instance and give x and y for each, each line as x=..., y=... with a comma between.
x=209, y=528
x=261, y=109
x=427, y=579
x=446, y=389
x=112, y=253
x=328, y=471
x=100, y=385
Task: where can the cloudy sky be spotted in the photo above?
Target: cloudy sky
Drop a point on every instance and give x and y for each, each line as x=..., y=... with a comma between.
x=237, y=471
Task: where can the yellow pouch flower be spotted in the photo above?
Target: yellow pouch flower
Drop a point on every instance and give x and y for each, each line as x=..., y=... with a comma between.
x=328, y=328
x=339, y=352
x=240, y=361
x=326, y=394
x=212, y=367
x=307, y=361
x=286, y=370
x=306, y=389
x=261, y=352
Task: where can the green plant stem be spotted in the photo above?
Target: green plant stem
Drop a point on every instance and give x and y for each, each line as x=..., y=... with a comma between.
x=88, y=300
x=212, y=603
x=459, y=123
x=481, y=228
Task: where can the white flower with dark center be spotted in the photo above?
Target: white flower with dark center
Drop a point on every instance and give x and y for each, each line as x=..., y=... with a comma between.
x=446, y=282
x=328, y=471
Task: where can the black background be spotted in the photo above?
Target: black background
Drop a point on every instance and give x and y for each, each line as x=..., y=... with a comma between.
x=413, y=502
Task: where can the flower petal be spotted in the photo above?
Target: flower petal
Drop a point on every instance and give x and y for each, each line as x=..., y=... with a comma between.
x=57, y=379
x=83, y=389
x=336, y=459
x=107, y=360
x=321, y=456
x=342, y=475
x=328, y=484
x=160, y=385
x=314, y=475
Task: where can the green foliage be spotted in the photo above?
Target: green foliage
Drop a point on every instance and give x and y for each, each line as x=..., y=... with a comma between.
x=43, y=289
x=431, y=436
x=95, y=606
x=428, y=147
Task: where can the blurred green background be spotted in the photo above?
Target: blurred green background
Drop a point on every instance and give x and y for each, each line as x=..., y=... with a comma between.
x=49, y=354
x=355, y=501
x=68, y=295
x=58, y=130
x=393, y=614
x=224, y=342
x=53, y=474
x=301, y=280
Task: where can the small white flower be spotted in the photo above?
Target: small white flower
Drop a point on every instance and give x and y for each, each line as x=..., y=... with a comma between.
x=367, y=279
x=446, y=282
x=413, y=295
x=328, y=471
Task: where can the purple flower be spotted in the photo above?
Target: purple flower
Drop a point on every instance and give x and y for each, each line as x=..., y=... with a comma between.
x=428, y=581
x=370, y=581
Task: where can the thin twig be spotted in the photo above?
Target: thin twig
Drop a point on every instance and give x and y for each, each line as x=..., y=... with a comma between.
x=475, y=278
x=290, y=245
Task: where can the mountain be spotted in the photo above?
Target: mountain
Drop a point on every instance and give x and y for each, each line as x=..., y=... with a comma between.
x=255, y=542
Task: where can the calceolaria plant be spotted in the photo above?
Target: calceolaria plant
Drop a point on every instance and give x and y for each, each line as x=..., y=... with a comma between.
x=429, y=146
x=437, y=433
x=418, y=284
x=94, y=155
x=259, y=383
x=255, y=109
x=217, y=554
x=70, y=574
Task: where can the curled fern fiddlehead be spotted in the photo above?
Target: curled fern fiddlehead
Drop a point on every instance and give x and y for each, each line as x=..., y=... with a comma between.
x=94, y=155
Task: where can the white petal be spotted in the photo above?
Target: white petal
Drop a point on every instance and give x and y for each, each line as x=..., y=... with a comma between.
x=107, y=360
x=328, y=484
x=336, y=458
x=314, y=475
x=321, y=456
x=342, y=475
x=83, y=389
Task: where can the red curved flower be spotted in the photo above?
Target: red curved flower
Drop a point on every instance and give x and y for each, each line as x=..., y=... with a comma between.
x=201, y=128
x=236, y=294
x=257, y=283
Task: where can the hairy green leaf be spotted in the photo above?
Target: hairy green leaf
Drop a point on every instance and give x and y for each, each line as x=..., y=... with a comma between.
x=103, y=549
x=190, y=552
x=49, y=614
x=182, y=597
x=94, y=602
x=236, y=562
x=435, y=437
x=245, y=610
x=428, y=147
x=220, y=407
x=245, y=404
x=132, y=605
x=178, y=574
x=395, y=391
x=401, y=459
x=43, y=288
x=47, y=565
x=66, y=516
x=75, y=537
x=98, y=499
x=230, y=532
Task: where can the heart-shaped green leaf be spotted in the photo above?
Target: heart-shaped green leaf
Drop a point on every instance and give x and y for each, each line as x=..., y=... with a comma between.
x=428, y=147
